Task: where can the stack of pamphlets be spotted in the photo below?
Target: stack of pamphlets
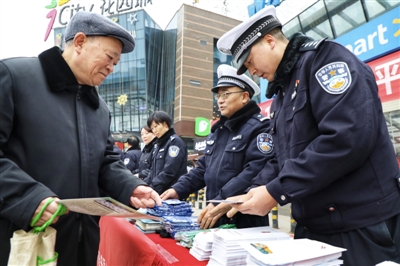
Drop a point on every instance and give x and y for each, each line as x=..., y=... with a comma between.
x=174, y=224
x=148, y=226
x=202, y=245
x=186, y=238
x=292, y=252
x=172, y=207
x=227, y=249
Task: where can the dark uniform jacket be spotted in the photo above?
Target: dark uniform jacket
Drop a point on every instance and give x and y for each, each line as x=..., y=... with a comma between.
x=146, y=160
x=54, y=141
x=169, y=161
x=236, y=151
x=338, y=166
x=131, y=158
x=119, y=151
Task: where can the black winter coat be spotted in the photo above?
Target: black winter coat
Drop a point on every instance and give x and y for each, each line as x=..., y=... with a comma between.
x=54, y=141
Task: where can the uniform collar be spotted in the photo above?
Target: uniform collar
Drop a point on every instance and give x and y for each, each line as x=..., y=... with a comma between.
x=288, y=62
x=166, y=136
x=60, y=77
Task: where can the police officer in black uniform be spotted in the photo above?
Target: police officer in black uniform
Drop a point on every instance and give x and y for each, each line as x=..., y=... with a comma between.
x=236, y=151
x=170, y=153
x=337, y=163
x=133, y=154
x=147, y=152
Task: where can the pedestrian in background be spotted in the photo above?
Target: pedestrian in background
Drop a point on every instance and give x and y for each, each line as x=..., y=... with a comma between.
x=118, y=150
x=133, y=154
x=54, y=98
x=170, y=153
x=337, y=163
x=236, y=151
x=146, y=159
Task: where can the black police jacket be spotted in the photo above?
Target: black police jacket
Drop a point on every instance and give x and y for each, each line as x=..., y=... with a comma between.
x=169, y=161
x=131, y=159
x=236, y=151
x=146, y=160
x=337, y=163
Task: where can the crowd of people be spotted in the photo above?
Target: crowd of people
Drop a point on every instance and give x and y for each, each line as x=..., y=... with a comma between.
x=325, y=148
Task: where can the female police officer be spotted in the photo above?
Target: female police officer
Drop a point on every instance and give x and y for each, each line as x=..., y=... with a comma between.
x=170, y=153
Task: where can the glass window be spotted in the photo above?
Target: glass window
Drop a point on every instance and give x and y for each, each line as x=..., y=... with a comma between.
x=315, y=22
x=375, y=8
x=345, y=15
x=291, y=27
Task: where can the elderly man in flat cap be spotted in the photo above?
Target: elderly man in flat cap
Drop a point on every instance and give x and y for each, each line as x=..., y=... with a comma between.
x=337, y=163
x=55, y=140
x=237, y=149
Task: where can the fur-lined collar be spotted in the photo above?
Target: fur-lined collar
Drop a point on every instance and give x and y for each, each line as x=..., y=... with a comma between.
x=289, y=60
x=60, y=76
x=166, y=136
x=149, y=146
x=238, y=118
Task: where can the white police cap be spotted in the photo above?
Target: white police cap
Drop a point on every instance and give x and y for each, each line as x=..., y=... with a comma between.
x=228, y=77
x=239, y=40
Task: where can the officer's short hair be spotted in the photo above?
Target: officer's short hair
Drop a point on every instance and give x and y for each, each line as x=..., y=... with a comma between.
x=159, y=117
x=133, y=141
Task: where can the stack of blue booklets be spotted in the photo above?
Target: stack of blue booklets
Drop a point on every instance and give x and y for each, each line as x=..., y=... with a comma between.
x=172, y=207
x=175, y=224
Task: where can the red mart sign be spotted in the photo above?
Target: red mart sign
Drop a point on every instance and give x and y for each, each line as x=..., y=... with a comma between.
x=387, y=75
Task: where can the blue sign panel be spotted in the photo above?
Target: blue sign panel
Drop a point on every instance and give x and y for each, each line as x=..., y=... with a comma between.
x=375, y=38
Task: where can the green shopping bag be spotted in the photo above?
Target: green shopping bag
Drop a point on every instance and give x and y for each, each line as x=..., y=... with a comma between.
x=36, y=247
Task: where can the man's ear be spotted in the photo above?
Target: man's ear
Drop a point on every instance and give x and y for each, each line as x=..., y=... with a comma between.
x=79, y=40
x=270, y=40
x=246, y=97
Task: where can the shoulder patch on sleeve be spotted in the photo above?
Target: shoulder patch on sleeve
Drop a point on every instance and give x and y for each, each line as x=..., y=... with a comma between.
x=265, y=143
x=309, y=46
x=126, y=161
x=334, y=78
x=173, y=151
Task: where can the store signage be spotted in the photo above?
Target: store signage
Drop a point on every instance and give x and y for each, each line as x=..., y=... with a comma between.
x=68, y=8
x=202, y=126
x=377, y=37
x=200, y=144
x=387, y=75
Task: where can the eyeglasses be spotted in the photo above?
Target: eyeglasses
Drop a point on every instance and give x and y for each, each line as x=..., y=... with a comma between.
x=225, y=95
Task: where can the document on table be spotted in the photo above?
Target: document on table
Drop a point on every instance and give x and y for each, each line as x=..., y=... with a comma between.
x=104, y=206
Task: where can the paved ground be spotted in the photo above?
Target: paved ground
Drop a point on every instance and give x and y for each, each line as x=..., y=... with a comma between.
x=283, y=220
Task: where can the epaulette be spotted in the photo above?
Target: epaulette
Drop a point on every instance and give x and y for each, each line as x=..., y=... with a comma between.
x=310, y=46
x=260, y=117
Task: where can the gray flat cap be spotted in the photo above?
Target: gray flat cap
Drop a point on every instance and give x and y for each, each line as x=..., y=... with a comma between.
x=94, y=24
